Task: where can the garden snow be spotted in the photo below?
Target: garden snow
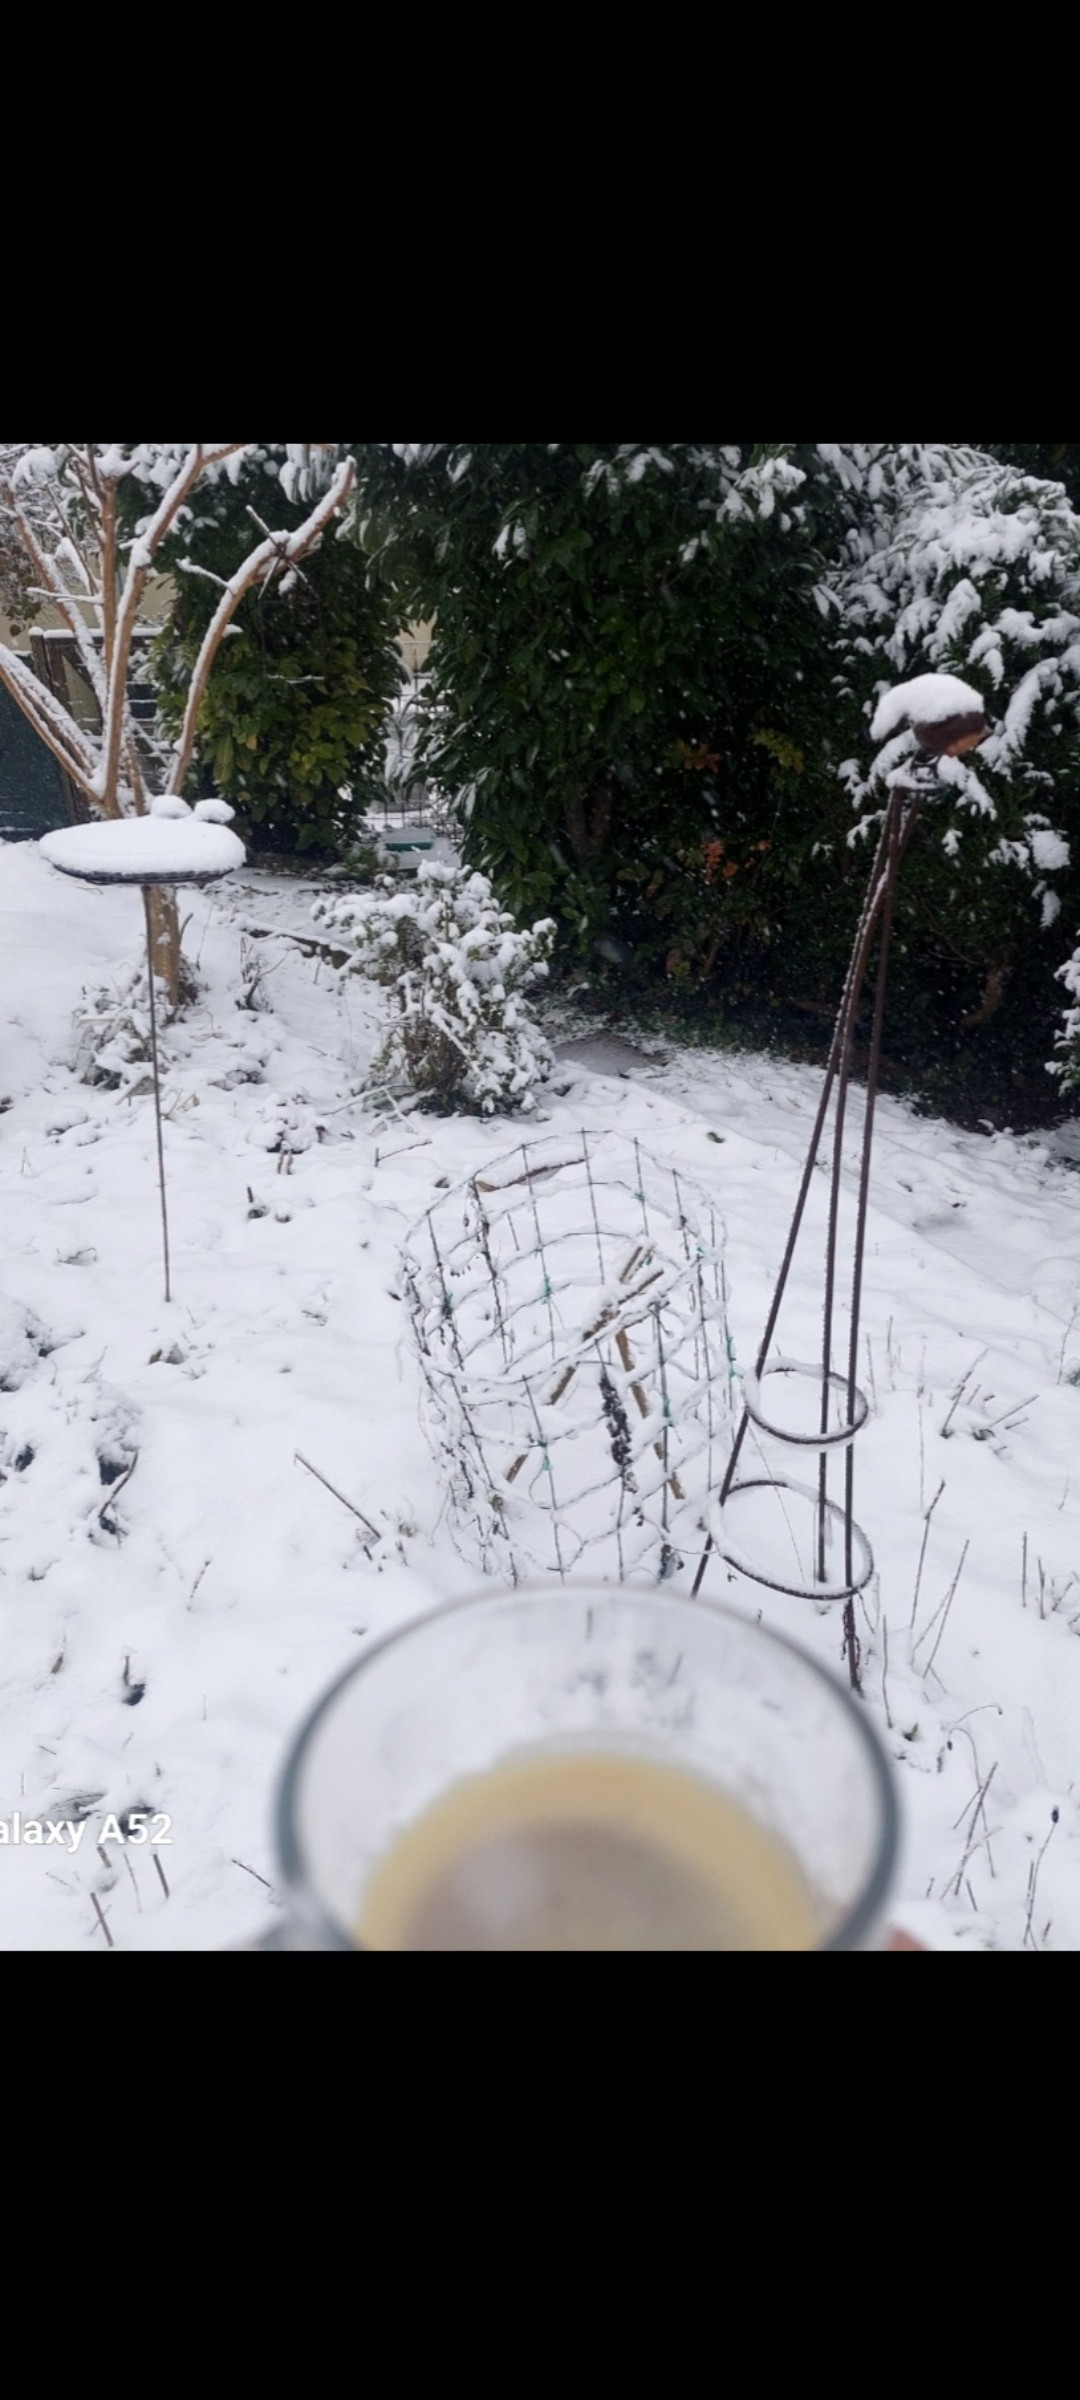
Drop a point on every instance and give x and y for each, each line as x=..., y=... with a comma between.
x=176, y=1589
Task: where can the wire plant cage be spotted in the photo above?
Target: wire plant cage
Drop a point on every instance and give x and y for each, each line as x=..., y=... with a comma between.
x=569, y=1309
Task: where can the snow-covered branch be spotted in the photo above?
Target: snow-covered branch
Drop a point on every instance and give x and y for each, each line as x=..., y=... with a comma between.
x=51, y=721
x=140, y=561
x=275, y=555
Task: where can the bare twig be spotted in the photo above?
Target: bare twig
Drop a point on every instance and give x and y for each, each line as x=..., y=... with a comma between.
x=268, y=1887
x=332, y=1487
x=976, y=1804
x=207, y=1562
x=1033, y=1879
x=959, y=1393
x=1011, y=1411
x=975, y=1841
x=922, y=1553
x=102, y=1921
x=943, y=1613
x=382, y=1158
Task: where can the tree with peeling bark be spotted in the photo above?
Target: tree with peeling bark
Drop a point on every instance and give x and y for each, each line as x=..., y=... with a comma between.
x=64, y=512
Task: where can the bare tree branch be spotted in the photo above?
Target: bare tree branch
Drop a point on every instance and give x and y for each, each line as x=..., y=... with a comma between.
x=51, y=580
x=50, y=720
x=108, y=581
x=140, y=560
x=278, y=551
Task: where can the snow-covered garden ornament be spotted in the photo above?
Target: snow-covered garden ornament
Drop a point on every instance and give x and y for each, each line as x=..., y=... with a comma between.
x=569, y=1311
x=171, y=844
x=793, y=1547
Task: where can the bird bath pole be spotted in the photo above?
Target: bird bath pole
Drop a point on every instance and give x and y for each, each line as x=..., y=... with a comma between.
x=157, y=1084
x=946, y=718
x=163, y=849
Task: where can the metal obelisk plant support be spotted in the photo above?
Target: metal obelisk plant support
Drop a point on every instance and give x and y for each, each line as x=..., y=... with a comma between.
x=946, y=719
x=167, y=848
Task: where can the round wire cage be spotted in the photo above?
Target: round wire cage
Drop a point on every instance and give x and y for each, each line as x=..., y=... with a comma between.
x=569, y=1308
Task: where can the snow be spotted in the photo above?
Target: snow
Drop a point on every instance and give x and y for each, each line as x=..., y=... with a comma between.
x=926, y=700
x=452, y=958
x=37, y=466
x=154, y=849
x=163, y=1637
x=1049, y=850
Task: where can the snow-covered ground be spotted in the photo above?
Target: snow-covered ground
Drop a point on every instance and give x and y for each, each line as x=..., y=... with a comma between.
x=162, y=1636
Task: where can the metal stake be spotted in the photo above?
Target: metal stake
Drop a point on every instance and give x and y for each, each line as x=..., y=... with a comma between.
x=157, y=1084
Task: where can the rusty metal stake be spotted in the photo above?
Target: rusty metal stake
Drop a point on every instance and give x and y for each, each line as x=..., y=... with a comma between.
x=157, y=1084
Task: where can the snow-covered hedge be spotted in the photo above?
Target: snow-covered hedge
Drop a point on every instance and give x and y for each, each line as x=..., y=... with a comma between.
x=651, y=690
x=1067, y=1067
x=956, y=561
x=461, y=1035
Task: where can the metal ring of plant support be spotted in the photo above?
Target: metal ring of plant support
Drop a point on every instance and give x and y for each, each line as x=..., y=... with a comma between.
x=841, y=1435
x=859, y=1575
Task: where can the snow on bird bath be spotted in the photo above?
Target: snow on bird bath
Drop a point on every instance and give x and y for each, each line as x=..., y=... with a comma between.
x=926, y=700
x=143, y=850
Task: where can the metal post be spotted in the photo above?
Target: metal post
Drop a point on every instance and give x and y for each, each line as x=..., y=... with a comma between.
x=157, y=1084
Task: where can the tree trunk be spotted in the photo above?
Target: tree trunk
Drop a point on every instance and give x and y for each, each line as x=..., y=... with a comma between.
x=165, y=944
x=993, y=995
x=588, y=820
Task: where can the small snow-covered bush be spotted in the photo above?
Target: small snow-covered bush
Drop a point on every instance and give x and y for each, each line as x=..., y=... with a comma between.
x=112, y=1030
x=112, y=1026
x=461, y=1035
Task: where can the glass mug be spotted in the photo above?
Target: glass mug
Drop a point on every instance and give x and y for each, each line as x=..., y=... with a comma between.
x=594, y=1767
